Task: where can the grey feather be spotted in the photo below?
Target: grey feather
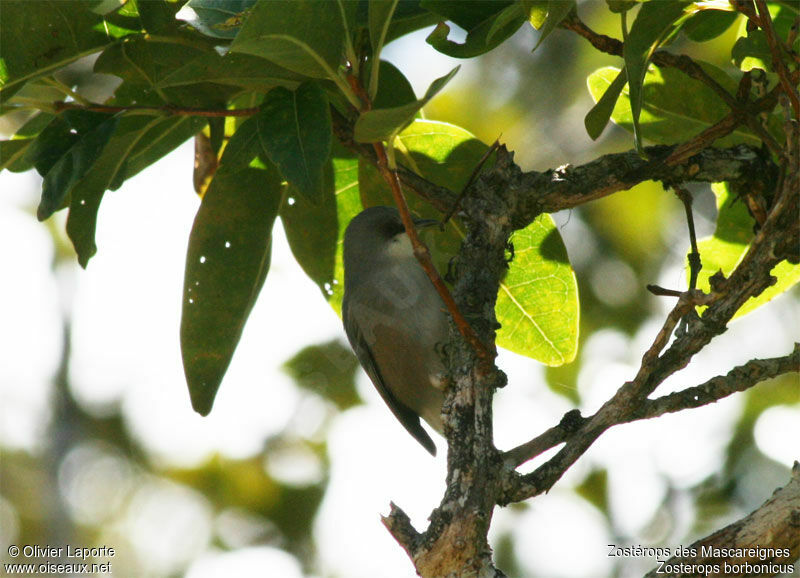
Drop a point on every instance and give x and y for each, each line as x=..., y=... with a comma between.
x=394, y=319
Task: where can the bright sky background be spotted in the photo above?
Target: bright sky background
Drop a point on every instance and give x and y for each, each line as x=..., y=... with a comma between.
x=126, y=315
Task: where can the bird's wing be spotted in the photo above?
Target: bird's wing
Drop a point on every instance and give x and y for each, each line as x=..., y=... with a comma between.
x=404, y=414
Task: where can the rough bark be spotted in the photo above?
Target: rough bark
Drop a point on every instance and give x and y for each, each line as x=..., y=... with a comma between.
x=764, y=543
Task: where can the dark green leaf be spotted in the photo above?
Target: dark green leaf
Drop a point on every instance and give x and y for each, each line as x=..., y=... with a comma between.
x=158, y=17
x=654, y=22
x=236, y=69
x=394, y=89
x=312, y=231
x=328, y=369
x=217, y=18
x=73, y=166
x=226, y=265
x=380, y=17
x=12, y=155
x=380, y=124
x=618, y=6
x=244, y=145
x=40, y=37
x=708, y=24
x=304, y=36
x=467, y=14
x=144, y=63
x=295, y=131
x=408, y=17
x=597, y=118
x=557, y=10
x=159, y=140
x=482, y=36
x=106, y=171
x=51, y=144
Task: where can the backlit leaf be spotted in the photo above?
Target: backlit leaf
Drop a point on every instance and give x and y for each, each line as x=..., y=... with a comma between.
x=726, y=248
x=654, y=22
x=676, y=108
x=380, y=124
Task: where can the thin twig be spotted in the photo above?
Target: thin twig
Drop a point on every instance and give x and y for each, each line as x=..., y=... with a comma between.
x=777, y=60
x=471, y=180
x=424, y=256
x=736, y=380
x=695, y=265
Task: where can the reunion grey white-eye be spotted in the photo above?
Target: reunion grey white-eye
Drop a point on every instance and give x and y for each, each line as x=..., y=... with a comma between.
x=394, y=318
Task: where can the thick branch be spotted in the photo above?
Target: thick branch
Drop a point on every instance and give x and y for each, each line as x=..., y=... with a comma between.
x=764, y=543
x=775, y=241
x=570, y=186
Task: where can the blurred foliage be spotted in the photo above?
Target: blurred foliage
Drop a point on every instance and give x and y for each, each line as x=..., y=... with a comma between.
x=327, y=369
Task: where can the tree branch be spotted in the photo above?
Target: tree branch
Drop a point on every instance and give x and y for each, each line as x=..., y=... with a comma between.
x=738, y=379
x=764, y=543
x=570, y=186
x=775, y=241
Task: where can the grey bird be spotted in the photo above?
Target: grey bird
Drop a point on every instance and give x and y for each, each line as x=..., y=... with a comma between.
x=395, y=319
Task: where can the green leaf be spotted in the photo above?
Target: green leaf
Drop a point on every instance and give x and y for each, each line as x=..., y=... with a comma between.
x=52, y=143
x=304, y=36
x=295, y=131
x=617, y=6
x=467, y=14
x=537, y=304
x=328, y=369
x=538, y=300
x=408, y=17
x=167, y=134
x=380, y=124
x=226, y=265
x=727, y=246
x=557, y=10
x=105, y=172
x=145, y=63
x=597, y=118
x=676, y=108
x=486, y=29
x=245, y=71
x=654, y=22
x=348, y=205
x=311, y=229
x=706, y=25
x=217, y=18
x=751, y=49
x=394, y=89
x=73, y=166
x=40, y=37
x=158, y=17
x=380, y=16
x=12, y=155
